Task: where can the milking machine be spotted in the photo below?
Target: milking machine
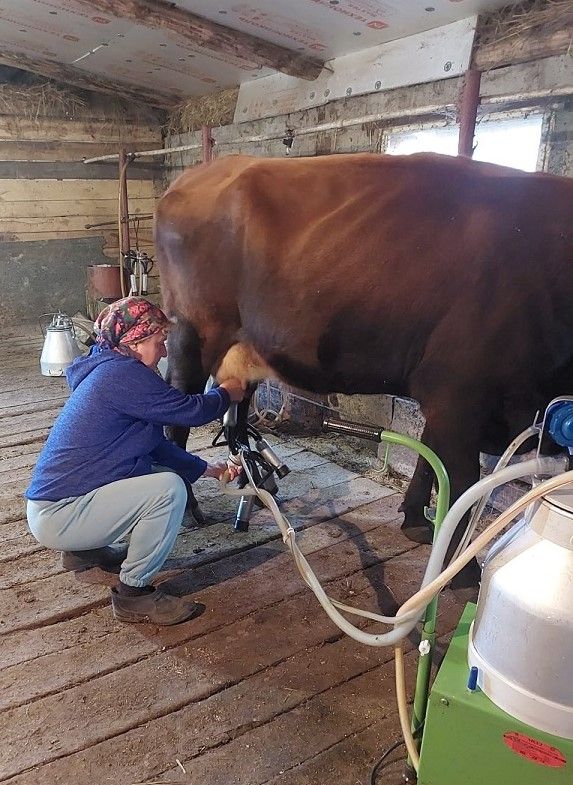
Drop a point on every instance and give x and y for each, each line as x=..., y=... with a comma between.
x=261, y=463
x=139, y=264
x=500, y=709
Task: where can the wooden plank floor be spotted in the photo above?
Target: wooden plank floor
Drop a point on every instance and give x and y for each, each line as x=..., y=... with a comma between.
x=260, y=689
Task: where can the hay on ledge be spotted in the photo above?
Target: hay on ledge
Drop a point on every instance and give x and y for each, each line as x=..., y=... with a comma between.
x=35, y=101
x=523, y=17
x=213, y=110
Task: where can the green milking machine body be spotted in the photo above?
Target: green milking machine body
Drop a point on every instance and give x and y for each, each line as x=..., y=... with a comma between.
x=468, y=740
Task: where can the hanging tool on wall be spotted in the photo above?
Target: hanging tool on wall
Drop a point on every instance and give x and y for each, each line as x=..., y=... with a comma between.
x=123, y=210
x=129, y=263
x=139, y=264
x=145, y=263
x=288, y=140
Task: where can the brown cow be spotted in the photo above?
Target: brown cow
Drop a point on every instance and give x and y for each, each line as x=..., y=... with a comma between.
x=443, y=279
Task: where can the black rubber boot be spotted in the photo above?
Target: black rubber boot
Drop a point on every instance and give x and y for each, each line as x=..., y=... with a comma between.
x=109, y=558
x=155, y=607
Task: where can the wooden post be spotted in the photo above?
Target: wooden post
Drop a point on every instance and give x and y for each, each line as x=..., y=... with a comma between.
x=206, y=143
x=469, y=102
x=123, y=215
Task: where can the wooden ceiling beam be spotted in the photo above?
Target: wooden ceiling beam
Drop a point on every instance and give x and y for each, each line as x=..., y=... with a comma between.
x=77, y=77
x=158, y=14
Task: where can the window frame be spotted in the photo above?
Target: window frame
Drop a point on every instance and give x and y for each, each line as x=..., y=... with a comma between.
x=449, y=120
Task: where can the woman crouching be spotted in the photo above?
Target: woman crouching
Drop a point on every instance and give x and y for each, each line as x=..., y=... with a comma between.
x=107, y=470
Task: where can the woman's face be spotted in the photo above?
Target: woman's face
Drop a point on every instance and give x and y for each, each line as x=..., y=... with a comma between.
x=151, y=350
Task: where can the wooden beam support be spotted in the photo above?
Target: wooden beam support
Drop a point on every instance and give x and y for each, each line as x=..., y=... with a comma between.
x=158, y=14
x=77, y=77
x=123, y=216
x=552, y=36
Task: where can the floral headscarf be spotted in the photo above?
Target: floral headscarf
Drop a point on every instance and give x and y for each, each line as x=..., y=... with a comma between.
x=128, y=320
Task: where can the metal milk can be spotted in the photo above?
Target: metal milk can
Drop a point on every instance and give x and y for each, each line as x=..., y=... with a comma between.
x=60, y=347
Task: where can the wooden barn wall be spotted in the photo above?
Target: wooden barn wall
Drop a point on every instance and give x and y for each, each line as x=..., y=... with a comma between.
x=530, y=84
x=48, y=196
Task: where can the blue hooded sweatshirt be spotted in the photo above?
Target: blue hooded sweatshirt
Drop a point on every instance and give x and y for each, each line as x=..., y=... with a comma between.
x=111, y=427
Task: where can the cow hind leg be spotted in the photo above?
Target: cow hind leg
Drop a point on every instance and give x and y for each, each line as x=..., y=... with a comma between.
x=454, y=435
x=416, y=526
x=184, y=369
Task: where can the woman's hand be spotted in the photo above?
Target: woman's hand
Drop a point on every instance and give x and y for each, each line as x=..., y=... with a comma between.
x=235, y=388
x=217, y=470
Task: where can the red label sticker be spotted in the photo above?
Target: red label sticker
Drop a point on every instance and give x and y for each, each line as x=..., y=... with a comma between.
x=534, y=750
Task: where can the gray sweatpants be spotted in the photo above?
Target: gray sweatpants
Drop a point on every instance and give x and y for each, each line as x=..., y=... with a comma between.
x=150, y=508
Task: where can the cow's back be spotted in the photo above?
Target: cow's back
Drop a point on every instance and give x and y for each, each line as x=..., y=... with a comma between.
x=327, y=265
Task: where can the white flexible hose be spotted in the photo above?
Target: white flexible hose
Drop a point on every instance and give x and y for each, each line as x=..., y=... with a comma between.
x=429, y=590
x=422, y=597
x=468, y=499
x=434, y=579
x=402, y=700
x=508, y=454
x=407, y=617
x=276, y=416
x=407, y=622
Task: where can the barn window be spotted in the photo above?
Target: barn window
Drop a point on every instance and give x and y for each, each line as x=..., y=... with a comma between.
x=512, y=141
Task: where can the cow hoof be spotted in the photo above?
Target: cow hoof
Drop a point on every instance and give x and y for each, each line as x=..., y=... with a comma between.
x=420, y=534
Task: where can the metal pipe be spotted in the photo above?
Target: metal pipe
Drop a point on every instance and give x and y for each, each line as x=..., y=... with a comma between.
x=270, y=456
x=428, y=636
x=443, y=501
x=206, y=143
x=244, y=512
x=331, y=126
x=361, y=431
x=334, y=125
x=122, y=220
x=141, y=153
x=469, y=102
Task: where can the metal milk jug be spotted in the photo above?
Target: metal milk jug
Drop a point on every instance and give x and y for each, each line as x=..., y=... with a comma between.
x=60, y=348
